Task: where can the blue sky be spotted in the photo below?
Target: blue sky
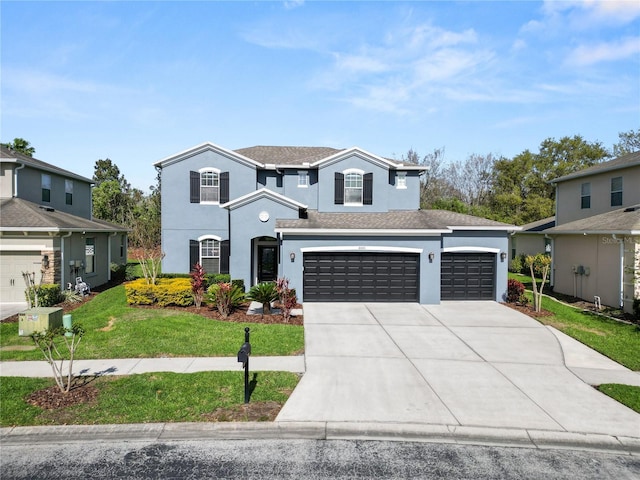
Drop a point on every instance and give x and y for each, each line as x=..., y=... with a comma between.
x=138, y=81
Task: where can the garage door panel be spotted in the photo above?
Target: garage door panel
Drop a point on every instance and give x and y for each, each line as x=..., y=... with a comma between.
x=361, y=277
x=467, y=276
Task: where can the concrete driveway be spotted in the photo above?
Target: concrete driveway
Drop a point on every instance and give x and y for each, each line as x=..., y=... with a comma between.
x=477, y=364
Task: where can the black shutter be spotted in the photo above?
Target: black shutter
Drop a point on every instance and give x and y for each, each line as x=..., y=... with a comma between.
x=338, y=198
x=194, y=184
x=367, y=189
x=224, y=187
x=225, y=251
x=194, y=253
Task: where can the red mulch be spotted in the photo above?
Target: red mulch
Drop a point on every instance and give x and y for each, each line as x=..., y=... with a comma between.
x=528, y=309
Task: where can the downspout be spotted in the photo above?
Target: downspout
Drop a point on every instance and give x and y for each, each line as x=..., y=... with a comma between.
x=63, y=265
x=109, y=254
x=15, y=180
x=553, y=259
x=621, y=243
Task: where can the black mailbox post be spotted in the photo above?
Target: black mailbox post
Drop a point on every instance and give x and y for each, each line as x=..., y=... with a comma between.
x=243, y=357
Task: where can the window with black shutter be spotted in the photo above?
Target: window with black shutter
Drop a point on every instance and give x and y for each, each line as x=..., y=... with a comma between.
x=339, y=189
x=367, y=189
x=194, y=253
x=194, y=186
x=224, y=187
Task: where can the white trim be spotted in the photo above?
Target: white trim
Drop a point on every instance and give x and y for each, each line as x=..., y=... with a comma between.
x=209, y=169
x=209, y=237
x=470, y=249
x=361, y=248
x=25, y=248
x=362, y=231
x=204, y=147
x=353, y=170
x=262, y=193
x=508, y=228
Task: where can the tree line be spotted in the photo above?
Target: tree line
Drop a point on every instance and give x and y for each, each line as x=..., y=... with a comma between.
x=514, y=190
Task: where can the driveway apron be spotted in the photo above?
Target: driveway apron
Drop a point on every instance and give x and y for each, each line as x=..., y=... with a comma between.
x=457, y=363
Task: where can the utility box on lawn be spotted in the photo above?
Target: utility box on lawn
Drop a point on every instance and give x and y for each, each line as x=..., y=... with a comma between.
x=38, y=320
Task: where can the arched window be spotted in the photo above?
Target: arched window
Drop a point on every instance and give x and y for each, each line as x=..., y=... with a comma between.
x=210, y=255
x=209, y=186
x=353, y=187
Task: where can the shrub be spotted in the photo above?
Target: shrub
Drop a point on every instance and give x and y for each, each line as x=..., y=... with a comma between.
x=139, y=292
x=118, y=273
x=287, y=297
x=166, y=292
x=515, y=291
x=264, y=293
x=515, y=265
x=198, y=284
x=49, y=294
x=225, y=297
x=239, y=282
x=636, y=308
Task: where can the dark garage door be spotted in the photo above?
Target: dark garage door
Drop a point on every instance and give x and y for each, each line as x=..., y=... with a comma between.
x=467, y=276
x=361, y=277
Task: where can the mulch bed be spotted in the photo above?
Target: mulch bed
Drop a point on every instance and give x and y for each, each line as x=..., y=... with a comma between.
x=528, y=309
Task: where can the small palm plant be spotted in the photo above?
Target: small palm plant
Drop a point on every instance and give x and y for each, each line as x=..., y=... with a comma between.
x=264, y=293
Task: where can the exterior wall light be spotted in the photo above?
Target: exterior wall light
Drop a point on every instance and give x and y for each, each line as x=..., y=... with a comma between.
x=292, y=256
x=503, y=256
x=431, y=257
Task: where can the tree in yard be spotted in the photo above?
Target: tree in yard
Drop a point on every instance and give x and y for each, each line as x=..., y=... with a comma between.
x=52, y=343
x=21, y=145
x=628, y=142
x=287, y=297
x=538, y=264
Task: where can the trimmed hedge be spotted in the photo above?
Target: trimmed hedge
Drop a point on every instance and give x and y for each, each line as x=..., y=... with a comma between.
x=166, y=291
x=49, y=294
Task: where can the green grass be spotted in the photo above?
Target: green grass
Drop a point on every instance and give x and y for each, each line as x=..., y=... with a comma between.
x=625, y=394
x=145, y=398
x=116, y=330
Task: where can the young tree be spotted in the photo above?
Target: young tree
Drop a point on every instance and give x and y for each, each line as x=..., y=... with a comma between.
x=538, y=264
x=628, y=142
x=53, y=344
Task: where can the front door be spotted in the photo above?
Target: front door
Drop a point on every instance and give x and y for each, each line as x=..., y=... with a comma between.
x=267, y=263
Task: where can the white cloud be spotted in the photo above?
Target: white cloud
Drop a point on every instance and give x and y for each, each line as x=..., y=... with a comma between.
x=291, y=4
x=604, y=52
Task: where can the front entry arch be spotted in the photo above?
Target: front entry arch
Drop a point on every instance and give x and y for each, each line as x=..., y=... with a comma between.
x=266, y=259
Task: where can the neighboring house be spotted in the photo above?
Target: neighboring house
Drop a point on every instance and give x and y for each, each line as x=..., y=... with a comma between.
x=46, y=228
x=341, y=225
x=531, y=240
x=596, y=240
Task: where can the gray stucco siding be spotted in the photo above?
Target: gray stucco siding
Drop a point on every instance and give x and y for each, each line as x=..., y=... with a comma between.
x=326, y=178
x=429, y=272
x=245, y=226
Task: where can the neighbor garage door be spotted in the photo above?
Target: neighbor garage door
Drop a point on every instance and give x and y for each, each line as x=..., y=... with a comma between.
x=467, y=276
x=12, y=264
x=361, y=277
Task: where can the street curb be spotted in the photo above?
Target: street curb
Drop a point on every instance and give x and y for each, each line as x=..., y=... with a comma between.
x=370, y=431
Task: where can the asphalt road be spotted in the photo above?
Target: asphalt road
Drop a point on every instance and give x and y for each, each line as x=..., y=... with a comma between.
x=305, y=459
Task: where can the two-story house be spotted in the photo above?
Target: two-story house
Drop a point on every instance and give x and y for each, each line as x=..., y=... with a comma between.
x=46, y=228
x=341, y=225
x=596, y=239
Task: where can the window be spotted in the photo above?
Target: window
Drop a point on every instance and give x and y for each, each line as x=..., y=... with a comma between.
x=616, y=192
x=401, y=180
x=585, y=196
x=46, y=187
x=122, y=245
x=209, y=186
x=90, y=255
x=210, y=255
x=303, y=179
x=68, y=192
x=353, y=188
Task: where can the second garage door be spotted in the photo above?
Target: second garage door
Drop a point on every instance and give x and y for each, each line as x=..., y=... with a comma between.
x=468, y=276
x=361, y=277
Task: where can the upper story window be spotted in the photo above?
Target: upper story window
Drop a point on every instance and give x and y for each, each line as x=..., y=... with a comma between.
x=303, y=179
x=585, y=195
x=401, y=180
x=209, y=185
x=46, y=187
x=353, y=188
x=616, y=192
x=68, y=192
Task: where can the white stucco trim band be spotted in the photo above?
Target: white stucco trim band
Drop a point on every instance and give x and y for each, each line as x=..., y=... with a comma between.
x=360, y=232
x=259, y=194
x=361, y=248
x=470, y=250
x=209, y=237
x=24, y=248
x=508, y=228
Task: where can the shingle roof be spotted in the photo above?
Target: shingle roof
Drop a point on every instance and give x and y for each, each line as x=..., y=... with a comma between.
x=17, y=214
x=7, y=155
x=393, y=220
x=287, y=155
x=624, y=161
x=623, y=221
x=539, y=225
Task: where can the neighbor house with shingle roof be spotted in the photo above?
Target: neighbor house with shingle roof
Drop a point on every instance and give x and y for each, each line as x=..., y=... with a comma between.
x=596, y=238
x=340, y=224
x=46, y=228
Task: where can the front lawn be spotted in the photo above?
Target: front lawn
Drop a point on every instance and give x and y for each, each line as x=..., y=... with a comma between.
x=152, y=398
x=116, y=330
x=626, y=394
